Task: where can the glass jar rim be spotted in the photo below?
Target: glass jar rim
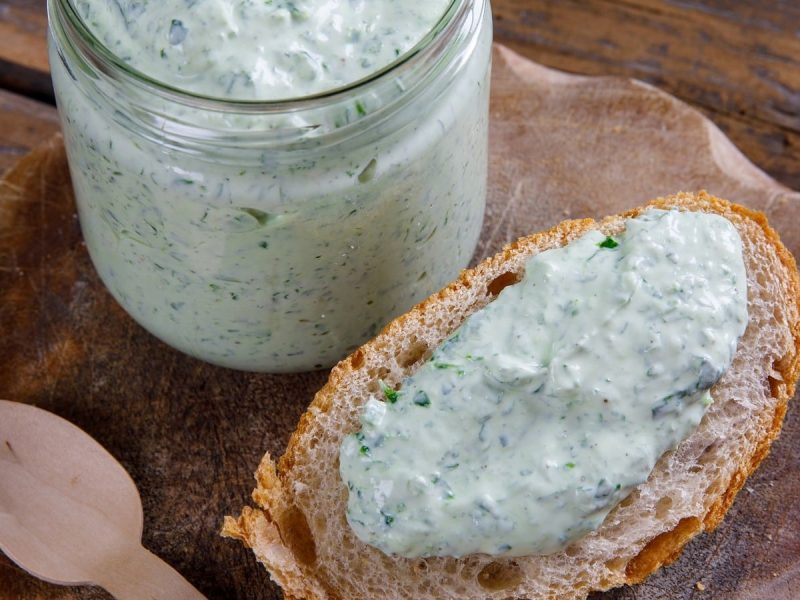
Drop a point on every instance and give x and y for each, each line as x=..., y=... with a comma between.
x=104, y=59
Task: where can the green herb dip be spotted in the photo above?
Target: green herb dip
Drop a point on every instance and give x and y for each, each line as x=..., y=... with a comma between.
x=276, y=240
x=259, y=49
x=549, y=405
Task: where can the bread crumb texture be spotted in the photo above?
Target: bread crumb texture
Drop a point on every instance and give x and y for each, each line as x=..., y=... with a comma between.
x=298, y=528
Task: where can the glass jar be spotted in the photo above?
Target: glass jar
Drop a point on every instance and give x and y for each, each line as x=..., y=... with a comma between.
x=278, y=236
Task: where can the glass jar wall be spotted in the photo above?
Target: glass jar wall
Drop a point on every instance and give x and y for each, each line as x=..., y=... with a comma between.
x=278, y=236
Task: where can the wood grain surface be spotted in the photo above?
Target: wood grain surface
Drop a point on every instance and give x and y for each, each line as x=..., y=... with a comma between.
x=24, y=124
x=739, y=62
x=191, y=434
x=23, y=48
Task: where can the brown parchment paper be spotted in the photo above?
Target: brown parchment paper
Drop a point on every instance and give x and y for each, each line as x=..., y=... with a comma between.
x=191, y=434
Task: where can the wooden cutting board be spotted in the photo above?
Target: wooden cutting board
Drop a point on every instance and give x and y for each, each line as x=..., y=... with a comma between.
x=191, y=434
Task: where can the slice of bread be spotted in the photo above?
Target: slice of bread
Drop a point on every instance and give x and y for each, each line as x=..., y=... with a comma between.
x=299, y=531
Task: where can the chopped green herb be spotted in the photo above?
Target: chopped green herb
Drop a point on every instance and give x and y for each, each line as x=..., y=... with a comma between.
x=389, y=393
x=569, y=465
x=422, y=399
x=364, y=451
x=297, y=13
x=368, y=173
x=260, y=216
x=444, y=365
x=609, y=242
x=388, y=519
x=360, y=108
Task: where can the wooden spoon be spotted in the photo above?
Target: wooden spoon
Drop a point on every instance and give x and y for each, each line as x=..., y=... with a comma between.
x=69, y=512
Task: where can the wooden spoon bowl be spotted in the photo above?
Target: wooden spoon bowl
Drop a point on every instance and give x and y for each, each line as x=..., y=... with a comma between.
x=70, y=513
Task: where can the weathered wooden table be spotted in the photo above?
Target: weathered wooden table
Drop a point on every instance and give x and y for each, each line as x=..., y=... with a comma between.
x=737, y=61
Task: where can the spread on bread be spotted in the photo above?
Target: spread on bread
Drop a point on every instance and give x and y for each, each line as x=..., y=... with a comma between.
x=548, y=406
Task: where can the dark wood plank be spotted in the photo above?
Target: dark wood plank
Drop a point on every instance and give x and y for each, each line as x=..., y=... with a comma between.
x=23, y=29
x=24, y=124
x=738, y=61
x=775, y=150
x=23, y=52
x=737, y=67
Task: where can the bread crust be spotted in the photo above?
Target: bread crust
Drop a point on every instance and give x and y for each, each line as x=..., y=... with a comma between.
x=279, y=532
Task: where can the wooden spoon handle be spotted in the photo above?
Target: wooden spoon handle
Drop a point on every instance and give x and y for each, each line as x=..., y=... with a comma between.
x=141, y=575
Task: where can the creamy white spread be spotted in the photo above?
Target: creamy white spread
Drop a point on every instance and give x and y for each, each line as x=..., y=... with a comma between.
x=260, y=49
x=277, y=258
x=549, y=405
